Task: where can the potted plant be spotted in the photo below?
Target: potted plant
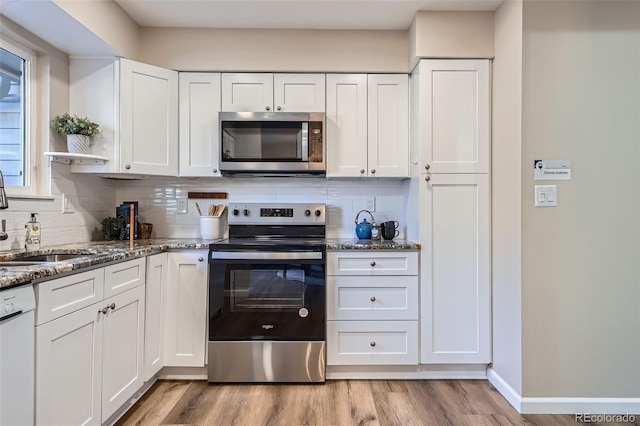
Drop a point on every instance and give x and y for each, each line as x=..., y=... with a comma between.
x=79, y=131
x=112, y=228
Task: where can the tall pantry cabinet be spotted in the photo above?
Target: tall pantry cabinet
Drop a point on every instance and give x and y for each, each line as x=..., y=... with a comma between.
x=450, y=152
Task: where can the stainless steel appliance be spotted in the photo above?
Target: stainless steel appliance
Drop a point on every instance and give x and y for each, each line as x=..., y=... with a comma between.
x=267, y=295
x=272, y=143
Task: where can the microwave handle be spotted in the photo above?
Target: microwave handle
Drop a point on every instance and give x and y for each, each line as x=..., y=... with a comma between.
x=304, y=141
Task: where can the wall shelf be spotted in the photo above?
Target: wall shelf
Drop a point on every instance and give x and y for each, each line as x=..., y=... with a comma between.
x=76, y=159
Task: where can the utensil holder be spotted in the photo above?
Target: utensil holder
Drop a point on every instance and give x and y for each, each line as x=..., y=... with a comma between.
x=209, y=227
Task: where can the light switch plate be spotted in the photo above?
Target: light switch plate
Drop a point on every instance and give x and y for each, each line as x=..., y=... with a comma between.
x=182, y=206
x=546, y=196
x=370, y=203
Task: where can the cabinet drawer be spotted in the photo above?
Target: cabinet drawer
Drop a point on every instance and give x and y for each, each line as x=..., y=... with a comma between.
x=61, y=296
x=372, y=342
x=372, y=298
x=372, y=262
x=123, y=276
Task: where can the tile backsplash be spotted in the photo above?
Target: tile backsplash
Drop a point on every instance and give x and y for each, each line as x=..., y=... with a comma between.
x=158, y=197
x=92, y=199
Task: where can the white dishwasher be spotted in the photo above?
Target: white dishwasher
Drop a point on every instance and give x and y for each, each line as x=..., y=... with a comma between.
x=17, y=355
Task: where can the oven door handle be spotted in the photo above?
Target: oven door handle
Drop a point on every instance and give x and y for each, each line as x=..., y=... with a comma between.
x=264, y=255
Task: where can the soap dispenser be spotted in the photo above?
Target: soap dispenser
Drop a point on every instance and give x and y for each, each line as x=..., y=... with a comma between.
x=32, y=234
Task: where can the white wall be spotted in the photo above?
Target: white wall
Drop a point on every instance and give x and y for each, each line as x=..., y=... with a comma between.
x=580, y=260
x=506, y=198
x=344, y=198
x=92, y=197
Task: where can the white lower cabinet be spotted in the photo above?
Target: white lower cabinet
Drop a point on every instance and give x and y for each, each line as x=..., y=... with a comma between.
x=372, y=307
x=186, y=318
x=155, y=311
x=89, y=361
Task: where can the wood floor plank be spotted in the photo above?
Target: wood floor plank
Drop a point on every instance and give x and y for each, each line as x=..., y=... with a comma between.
x=335, y=403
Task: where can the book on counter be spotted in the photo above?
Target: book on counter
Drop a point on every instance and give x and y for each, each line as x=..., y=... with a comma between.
x=123, y=212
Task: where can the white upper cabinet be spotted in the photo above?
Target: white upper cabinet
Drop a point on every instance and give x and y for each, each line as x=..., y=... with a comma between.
x=454, y=116
x=199, y=125
x=367, y=125
x=257, y=92
x=388, y=124
x=136, y=106
x=346, y=123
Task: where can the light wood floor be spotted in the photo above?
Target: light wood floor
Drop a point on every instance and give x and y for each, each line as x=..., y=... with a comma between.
x=337, y=402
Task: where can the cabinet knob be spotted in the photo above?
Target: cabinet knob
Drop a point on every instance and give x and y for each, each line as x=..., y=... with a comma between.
x=373, y=171
x=373, y=343
x=103, y=310
x=113, y=306
x=268, y=108
x=373, y=298
x=427, y=166
x=428, y=178
x=200, y=259
x=279, y=108
x=373, y=263
x=361, y=170
x=127, y=166
x=215, y=171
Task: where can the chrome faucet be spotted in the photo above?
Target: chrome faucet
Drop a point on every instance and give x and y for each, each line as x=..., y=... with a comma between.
x=4, y=204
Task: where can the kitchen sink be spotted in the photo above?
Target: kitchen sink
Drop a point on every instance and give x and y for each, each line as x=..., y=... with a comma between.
x=40, y=259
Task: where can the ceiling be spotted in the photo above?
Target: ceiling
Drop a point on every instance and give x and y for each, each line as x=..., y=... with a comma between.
x=290, y=14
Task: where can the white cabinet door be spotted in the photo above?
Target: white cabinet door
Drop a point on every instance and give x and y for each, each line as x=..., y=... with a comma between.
x=154, y=315
x=69, y=369
x=247, y=92
x=186, y=320
x=455, y=278
x=299, y=92
x=388, y=124
x=346, y=122
x=148, y=119
x=199, y=125
x=123, y=349
x=455, y=116
x=123, y=276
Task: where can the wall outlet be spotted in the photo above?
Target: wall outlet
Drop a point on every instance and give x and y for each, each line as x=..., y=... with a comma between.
x=183, y=206
x=370, y=203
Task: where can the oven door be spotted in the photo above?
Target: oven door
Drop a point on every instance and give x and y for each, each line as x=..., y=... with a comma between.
x=267, y=295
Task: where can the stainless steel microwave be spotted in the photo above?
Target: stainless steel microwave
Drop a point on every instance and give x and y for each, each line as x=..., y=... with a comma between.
x=272, y=143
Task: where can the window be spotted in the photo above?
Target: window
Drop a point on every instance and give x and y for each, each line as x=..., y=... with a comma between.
x=17, y=149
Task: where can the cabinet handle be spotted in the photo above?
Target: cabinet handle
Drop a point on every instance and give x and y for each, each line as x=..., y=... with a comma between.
x=279, y=108
x=127, y=166
x=373, y=298
x=103, y=310
x=361, y=170
x=373, y=263
x=200, y=259
x=428, y=178
x=427, y=166
x=113, y=306
x=373, y=171
x=373, y=343
x=268, y=108
x=215, y=171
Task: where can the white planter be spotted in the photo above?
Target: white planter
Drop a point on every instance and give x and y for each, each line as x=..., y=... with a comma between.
x=78, y=144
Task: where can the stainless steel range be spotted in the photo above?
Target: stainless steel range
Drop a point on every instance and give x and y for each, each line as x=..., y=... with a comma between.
x=267, y=295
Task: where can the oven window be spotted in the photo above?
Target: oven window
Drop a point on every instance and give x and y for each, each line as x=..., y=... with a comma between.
x=271, y=288
x=257, y=141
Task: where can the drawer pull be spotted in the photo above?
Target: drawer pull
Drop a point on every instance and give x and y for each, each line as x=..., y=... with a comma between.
x=373, y=343
x=113, y=306
x=103, y=310
x=373, y=298
x=373, y=263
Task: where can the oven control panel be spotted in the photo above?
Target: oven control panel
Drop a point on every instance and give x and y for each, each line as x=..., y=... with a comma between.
x=276, y=213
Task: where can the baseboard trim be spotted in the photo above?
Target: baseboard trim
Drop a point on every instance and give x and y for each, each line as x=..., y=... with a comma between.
x=183, y=373
x=529, y=405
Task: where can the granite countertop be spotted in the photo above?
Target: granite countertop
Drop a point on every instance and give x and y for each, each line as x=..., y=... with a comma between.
x=99, y=252
x=355, y=244
x=93, y=253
